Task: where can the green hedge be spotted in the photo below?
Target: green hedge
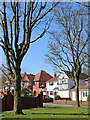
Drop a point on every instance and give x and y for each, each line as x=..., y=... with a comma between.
x=57, y=97
x=25, y=92
x=88, y=97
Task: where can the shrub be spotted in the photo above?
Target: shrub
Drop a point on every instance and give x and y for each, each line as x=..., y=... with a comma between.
x=57, y=97
x=88, y=97
x=25, y=92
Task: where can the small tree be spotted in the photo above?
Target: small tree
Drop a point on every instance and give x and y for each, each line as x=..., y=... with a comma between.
x=88, y=97
x=25, y=92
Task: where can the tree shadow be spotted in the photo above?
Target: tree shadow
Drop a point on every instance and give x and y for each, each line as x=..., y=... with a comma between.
x=62, y=113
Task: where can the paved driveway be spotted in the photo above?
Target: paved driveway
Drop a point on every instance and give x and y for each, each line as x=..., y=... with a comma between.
x=58, y=105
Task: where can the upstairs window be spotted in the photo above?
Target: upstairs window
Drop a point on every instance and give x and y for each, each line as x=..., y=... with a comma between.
x=51, y=83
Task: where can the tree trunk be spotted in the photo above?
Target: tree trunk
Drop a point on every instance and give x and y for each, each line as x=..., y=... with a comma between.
x=17, y=92
x=77, y=92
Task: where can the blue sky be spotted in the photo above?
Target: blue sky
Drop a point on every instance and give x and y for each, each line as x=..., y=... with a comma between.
x=34, y=60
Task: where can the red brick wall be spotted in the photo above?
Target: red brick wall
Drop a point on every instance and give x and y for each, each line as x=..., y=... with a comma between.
x=27, y=102
x=46, y=100
x=37, y=87
x=71, y=102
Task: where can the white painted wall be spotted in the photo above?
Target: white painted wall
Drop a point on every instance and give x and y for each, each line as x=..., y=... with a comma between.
x=51, y=87
x=52, y=96
x=64, y=94
x=83, y=98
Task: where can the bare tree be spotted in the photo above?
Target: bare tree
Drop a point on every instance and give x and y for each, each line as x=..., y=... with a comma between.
x=5, y=73
x=19, y=20
x=68, y=46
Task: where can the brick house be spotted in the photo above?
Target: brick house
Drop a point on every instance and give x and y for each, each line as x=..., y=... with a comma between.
x=39, y=83
x=84, y=90
x=27, y=81
x=5, y=85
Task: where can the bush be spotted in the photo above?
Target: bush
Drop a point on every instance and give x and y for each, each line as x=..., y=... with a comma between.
x=57, y=97
x=25, y=92
x=88, y=97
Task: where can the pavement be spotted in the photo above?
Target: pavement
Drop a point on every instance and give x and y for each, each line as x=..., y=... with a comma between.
x=60, y=105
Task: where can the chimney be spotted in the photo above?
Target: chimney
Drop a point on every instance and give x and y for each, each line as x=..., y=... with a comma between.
x=55, y=75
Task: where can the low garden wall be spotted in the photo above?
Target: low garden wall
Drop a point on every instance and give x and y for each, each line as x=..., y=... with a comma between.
x=27, y=102
x=46, y=100
x=71, y=102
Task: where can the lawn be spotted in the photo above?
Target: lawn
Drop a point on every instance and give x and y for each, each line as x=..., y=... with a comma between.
x=50, y=112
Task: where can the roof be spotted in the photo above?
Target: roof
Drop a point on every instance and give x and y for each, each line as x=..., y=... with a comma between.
x=42, y=76
x=87, y=79
x=82, y=75
x=68, y=73
x=27, y=77
x=82, y=87
x=53, y=79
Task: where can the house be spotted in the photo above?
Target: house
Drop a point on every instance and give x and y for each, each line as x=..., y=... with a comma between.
x=39, y=82
x=62, y=84
x=52, y=86
x=27, y=81
x=5, y=85
x=84, y=90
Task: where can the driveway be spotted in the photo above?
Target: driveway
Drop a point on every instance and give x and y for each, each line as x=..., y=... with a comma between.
x=59, y=105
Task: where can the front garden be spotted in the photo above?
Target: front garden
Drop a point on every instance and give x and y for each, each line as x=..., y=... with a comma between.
x=50, y=112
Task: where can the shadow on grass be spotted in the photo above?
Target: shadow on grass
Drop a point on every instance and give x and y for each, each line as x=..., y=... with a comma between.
x=61, y=113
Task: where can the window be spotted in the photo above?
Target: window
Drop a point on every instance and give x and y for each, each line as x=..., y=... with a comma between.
x=35, y=83
x=26, y=83
x=57, y=83
x=63, y=87
x=42, y=85
x=62, y=81
x=85, y=93
x=51, y=92
x=51, y=83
